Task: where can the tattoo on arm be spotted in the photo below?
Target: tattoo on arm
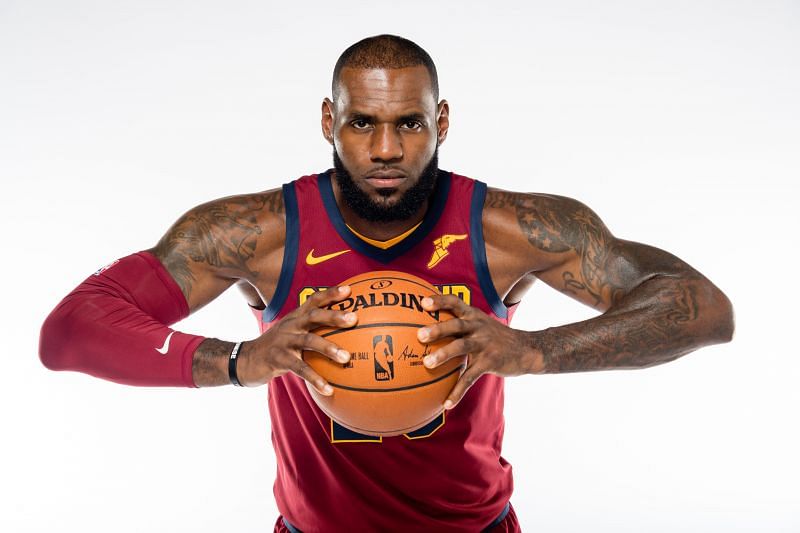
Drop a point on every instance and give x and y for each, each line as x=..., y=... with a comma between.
x=210, y=363
x=656, y=322
x=658, y=308
x=222, y=234
x=558, y=225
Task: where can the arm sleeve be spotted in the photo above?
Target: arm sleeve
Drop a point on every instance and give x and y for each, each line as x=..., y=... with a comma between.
x=114, y=326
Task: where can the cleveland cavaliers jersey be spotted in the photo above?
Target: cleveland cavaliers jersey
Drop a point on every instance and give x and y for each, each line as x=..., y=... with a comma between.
x=446, y=476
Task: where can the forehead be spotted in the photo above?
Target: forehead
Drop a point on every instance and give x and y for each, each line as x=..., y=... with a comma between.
x=376, y=90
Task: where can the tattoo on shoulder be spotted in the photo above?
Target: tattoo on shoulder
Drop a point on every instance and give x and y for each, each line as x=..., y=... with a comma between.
x=556, y=224
x=223, y=234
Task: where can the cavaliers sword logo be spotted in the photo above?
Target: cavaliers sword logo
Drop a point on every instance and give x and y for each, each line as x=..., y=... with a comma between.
x=441, y=245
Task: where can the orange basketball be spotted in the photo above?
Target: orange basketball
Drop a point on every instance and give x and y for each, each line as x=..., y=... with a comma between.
x=385, y=389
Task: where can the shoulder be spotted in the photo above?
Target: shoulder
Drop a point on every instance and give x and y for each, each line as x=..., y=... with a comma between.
x=255, y=208
x=227, y=233
x=544, y=225
x=513, y=201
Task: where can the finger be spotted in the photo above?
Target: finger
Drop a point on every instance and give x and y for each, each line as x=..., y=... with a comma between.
x=328, y=296
x=467, y=379
x=455, y=327
x=447, y=352
x=449, y=302
x=319, y=316
x=301, y=368
x=314, y=343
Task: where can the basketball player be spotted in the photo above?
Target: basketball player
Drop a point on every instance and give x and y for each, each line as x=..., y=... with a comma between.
x=385, y=205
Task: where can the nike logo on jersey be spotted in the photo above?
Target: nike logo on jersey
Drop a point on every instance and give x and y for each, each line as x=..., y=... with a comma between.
x=311, y=260
x=440, y=247
x=164, y=349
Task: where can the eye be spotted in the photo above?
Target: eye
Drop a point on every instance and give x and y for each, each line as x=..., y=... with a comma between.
x=360, y=124
x=411, y=125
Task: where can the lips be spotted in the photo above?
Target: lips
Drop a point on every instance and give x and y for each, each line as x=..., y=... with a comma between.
x=386, y=178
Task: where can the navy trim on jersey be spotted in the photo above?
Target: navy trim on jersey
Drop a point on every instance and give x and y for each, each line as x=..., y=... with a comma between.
x=385, y=256
x=479, y=251
x=289, y=255
x=500, y=518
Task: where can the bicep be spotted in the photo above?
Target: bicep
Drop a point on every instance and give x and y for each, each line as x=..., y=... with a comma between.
x=600, y=277
x=573, y=251
x=211, y=247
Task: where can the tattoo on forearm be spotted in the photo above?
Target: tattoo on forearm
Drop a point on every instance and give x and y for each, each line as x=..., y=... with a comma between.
x=657, y=322
x=209, y=366
x=223, y=234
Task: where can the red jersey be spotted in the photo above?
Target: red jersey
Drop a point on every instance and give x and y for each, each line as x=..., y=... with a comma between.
x=446, y=476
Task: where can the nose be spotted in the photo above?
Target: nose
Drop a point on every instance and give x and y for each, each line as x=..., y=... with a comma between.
x=386, y=144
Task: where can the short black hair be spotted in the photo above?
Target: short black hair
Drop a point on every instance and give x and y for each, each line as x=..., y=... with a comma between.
x=385, y=51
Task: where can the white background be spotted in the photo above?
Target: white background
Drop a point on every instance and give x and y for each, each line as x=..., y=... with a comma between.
x=677, y=121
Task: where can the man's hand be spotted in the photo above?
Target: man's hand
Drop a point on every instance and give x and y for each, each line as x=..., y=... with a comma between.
x=280, y=349
x=491, y=347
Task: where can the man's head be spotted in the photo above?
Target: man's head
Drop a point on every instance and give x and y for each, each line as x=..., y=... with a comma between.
x=385, y=126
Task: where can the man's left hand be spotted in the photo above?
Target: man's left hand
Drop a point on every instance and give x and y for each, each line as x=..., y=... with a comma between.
x=491, y=347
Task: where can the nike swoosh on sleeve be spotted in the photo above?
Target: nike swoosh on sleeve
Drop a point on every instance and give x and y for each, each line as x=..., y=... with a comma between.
x=164, y=349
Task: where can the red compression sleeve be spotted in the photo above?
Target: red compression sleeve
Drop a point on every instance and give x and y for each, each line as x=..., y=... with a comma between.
x=114, y=326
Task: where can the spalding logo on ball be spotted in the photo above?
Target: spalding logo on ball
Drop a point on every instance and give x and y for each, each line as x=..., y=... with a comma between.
x=385, y=389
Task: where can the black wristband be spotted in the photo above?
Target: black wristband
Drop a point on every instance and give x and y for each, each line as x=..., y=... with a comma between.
x=232, y=364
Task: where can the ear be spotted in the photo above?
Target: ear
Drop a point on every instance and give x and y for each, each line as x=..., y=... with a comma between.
x=327, y=120
x=442, y=121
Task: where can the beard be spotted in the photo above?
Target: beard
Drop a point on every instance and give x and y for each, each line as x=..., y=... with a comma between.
x=403, y=209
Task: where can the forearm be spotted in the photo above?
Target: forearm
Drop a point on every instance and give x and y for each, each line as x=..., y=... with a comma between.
x=109, y=338
x=658, y=321
x=210, y=363
x=115, y=326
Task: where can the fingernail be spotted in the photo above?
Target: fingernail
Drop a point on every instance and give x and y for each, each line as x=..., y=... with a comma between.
x=343, y=289
x=423, y=334
x=429, y=361
x=343, y=356
x=427, y=302
x=448, y=404
x=349, y=317
x=327, y=390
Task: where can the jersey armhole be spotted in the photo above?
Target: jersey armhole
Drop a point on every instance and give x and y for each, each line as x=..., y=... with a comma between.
x=289, y=255
x=479, y=251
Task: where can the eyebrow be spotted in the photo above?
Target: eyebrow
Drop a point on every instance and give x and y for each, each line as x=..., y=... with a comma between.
x=419, y=117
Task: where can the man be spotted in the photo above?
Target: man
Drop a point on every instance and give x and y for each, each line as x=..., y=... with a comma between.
x=385, y=205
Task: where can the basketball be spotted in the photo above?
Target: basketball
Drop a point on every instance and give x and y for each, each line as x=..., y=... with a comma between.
x=385, y=389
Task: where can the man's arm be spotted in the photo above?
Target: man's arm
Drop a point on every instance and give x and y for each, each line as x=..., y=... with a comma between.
x=114, y=325
x=656, y=307
x=214, y=245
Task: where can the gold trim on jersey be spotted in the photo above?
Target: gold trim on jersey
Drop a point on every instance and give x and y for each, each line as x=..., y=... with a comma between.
x=384, y=244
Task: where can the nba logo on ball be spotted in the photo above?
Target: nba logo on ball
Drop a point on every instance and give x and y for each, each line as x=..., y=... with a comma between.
x=385, y=389
x=383, y=355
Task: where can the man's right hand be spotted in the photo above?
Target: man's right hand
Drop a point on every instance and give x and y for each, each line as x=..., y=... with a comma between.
x=279, y=350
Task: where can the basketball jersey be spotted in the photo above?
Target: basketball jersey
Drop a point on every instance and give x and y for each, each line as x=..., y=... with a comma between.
x=446, y=476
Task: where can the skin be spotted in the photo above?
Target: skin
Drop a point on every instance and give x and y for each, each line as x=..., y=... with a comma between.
x=384, y=119
x=654, y=307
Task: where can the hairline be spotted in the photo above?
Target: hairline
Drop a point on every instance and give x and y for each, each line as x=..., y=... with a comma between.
x=338, y=79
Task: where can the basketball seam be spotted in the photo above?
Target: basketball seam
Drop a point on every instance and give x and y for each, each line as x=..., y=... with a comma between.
x=396, y=389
